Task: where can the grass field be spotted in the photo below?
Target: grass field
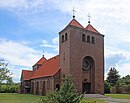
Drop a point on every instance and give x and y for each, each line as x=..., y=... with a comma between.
x=121, y=96
x=28, y=98
x=18, y=98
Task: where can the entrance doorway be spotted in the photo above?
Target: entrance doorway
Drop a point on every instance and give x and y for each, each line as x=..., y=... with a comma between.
x=86, y=88
x=57, y=87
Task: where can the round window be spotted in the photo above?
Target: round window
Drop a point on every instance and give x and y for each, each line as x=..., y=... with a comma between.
x=86, y=64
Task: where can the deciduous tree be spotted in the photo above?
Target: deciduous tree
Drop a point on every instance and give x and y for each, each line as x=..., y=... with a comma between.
x=5, y=74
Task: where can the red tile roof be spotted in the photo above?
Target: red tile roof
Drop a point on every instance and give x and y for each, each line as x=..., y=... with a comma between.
x=75, y=23
x=49, y=68
x=26, y=74
x=41, y=61
x=91, y=28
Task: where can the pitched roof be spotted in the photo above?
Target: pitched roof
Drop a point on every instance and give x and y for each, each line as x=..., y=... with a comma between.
x=41, y=61
x=26, y=74
x=49, y=68
x=74, y=22
x=91, y=28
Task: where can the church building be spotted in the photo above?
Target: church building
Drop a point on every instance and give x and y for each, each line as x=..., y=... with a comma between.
x=81, y=54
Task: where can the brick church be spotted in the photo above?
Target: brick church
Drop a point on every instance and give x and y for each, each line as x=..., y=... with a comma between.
x=81, y=54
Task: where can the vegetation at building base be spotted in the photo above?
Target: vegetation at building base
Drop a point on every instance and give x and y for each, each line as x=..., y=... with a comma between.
x=6, y=82
x=29, y=98
x=107, y=87
x=9, y=88
x=66, y=94
x=115, y=84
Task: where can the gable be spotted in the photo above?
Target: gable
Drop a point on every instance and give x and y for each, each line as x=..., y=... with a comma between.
x=49, y=68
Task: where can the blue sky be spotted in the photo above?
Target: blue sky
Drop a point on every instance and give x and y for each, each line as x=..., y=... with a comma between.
x=27, y=27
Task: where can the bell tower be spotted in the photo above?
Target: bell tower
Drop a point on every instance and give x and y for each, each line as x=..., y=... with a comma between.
x=82, y=56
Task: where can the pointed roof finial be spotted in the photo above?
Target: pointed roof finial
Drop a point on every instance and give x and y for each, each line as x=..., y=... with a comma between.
x=89, y=18
x=73, y=13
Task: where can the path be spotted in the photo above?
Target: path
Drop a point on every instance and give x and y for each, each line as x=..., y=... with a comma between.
x=106, y=98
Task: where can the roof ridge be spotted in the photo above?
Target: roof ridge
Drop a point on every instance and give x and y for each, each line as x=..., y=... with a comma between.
x=91, y=28
x=74, y=22
x=40, y=60
x=53, y=57
x=28, y=70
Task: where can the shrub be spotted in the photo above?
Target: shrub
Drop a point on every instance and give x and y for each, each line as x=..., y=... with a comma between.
x=13, y=88
x=107, y=87
x=66, y=94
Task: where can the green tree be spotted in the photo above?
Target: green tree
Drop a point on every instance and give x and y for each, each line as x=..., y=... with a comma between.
x=128, y=88
x=66, y=94
x=107, y=87
x=5, y=73
x=113, y=76
x=122, y=82
x=127, y=79
x=118, y=85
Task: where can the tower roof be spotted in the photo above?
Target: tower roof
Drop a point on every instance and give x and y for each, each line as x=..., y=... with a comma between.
x=74, y=22
x=91, y=28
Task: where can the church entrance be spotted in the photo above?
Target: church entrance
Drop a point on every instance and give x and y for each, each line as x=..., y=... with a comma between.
x=86, y=88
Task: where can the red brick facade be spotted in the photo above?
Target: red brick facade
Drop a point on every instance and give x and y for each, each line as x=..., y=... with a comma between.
x=81, y=55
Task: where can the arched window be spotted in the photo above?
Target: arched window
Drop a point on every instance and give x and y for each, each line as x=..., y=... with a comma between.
x=66, y=37
x=62, y=38
x=88, y=39
x=83, y=37
x=57, y=87
x=93, y=40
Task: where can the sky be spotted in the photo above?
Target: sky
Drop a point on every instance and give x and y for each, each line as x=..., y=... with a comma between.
x=30, y=28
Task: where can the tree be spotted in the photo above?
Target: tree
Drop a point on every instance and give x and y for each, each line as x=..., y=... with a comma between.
x=5, y=74
x=127, y=79
x=113, y=76
x=118, y=85
x=107, y=87
x=66, y=94
x=128, y=88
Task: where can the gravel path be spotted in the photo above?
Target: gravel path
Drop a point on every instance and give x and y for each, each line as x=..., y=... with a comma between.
x=114, y=100
x=106, y=98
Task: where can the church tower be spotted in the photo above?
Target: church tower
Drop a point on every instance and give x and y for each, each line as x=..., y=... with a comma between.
x=82, y=56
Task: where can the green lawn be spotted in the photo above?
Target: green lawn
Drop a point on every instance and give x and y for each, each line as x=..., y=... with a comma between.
x=18, y=98
x=121, y=96
x=93, y=101
x=28, y=98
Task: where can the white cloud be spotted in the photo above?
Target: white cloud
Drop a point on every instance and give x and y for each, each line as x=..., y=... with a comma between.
x=55, y=40
x=124, y=69
x=22, y=6
x=118, y=58
x=17, y=53
x=20, y=56
x=54, y=45
x=114, y=8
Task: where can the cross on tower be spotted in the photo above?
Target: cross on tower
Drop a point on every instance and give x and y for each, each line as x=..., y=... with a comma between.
x=89, y=18
x=73, y=13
